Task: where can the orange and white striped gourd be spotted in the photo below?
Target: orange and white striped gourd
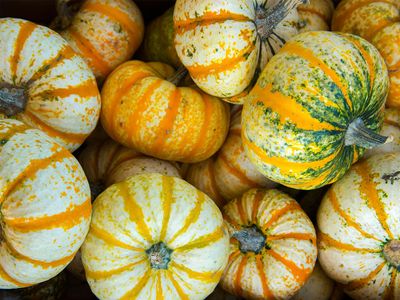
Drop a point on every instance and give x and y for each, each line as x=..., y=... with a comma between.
x=45, y=84
x=154, y=237
x=315, y=15
x=144, y=111
x=273, y=245
x=378, y=21
x=105, y=32
x=359, y=229
x=45, y=206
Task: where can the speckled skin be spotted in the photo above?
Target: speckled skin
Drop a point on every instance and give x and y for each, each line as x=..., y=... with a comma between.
x=296, y=119
x=62, y=96
x=378, y=21
x=288, y=257
x=315, y=15
x=130, y=217
x=144, y=111
x=106, y=33
x=357, y=217
x=45, y=206
x=217, y=41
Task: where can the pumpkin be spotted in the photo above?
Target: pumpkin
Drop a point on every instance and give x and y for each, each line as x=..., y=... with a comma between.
x=154, y=237
x=45, y=206
x=358, y=222
x=158, y=42
x=378, y=21
x=45, y=84
x=224, y=44
x=316, y=107
x=144, y=111
x=315, y=15
x=273, y=245
x=319, y=287
x=104, y=32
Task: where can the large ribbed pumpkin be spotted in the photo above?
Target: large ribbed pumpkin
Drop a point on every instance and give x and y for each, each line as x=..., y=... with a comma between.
x=315, y=15
x=45, y=84
x=359, y=229
x=315, y=108
x=105, y=32
x=144, y=111
x=154, y=237
x=224, y=44
x=378, y=21
x=45, y=206
x=273, y=245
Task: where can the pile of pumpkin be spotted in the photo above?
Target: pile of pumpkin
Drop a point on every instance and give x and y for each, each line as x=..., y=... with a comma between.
x=189, y=179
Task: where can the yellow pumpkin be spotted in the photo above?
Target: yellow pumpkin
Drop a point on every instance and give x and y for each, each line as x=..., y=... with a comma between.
x=154, y=237
x=144, y=111
x=273, y=245
x=45, y=206
x=45, y=84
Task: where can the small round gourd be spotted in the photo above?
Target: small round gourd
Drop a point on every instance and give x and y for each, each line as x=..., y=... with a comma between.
x=315, y=15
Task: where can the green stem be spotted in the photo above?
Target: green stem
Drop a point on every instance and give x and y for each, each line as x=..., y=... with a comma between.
x=159, y=256
x=251, y=239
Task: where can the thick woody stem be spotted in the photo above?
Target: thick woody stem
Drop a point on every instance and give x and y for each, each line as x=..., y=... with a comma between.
x=13, y=99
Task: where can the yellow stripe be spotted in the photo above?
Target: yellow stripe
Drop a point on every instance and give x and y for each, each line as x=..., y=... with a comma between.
x=208, y=277
x=178, y=289
x=203, y=241
x=138, y=287
x=97, y=275
x=167, y=189
x=159, y=289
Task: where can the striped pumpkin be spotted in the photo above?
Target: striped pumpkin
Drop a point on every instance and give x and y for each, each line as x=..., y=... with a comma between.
x=315, y=15
x=45, y=206
x=359, y=229
x=224, y=44
x=390, y=127
x=378, y=21
x=154, y=237
x=315, y=108
x=45, y=84
x=106, y=33
x=273, y=246
x=144, y=111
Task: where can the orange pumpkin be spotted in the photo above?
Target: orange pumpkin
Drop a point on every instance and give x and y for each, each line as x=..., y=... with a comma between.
x=144, y=111
x=315, y=15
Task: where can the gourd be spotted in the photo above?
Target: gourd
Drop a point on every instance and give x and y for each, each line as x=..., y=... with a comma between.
x=315, y=15
x=45, y=206
x=224, y=44
x=104, y=32
x=154, y=237
x=316, y=107
x=378, y=21
x=358, y=239
x=144, y=111
x=45, y=84
x=273, y=245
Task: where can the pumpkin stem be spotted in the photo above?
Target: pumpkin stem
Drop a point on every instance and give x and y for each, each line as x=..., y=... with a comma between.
x=268, y=19
x=13, y=99
x=66, y=10
x=358, y=134
x=96, y=188
x=391, y=252
x=159, y=256
x=178, y=76
x=251, y=239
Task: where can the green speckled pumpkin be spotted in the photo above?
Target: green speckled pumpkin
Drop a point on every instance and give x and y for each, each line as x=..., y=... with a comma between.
x=315, y=108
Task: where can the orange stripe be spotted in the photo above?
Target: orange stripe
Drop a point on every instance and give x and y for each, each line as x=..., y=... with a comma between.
x=360, y=283
x=233, y=255
x=238, y=278
x=219, y=200
x=267, y=294
x=97, y=275
x=299, y=274
x=24, y=33
x=203, y=241
x=108, y=238
x=372, y=31
x=134, y=211
x=69, y=218
x=11, y=131
x=178, y=289
x=369, y=193
x=32, y=168
x=138, y=287
x=391, y=288
x=208, y=277
x=168, y=199
x=85, y=89
x=326, y=241
x=191, y=218
x=293, y=235
x=276, y=214
x=236, y=131
x=231, y=222
x=335, y=204
x=258, y=197
x=238, y=173
x=4, y=275
x=395, y=67
x=392, y=123
x=89, y=52
x=307, y=9
x=76, y=138
x=242, y=213
x=65, y=53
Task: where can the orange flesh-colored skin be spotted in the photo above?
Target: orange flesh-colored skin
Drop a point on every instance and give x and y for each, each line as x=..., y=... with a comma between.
x=189, y=126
